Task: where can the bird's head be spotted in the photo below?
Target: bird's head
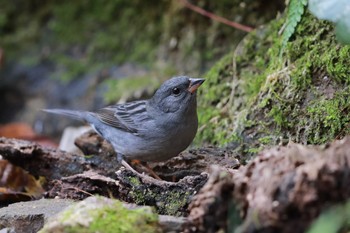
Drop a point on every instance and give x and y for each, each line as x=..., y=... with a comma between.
x=177, y=94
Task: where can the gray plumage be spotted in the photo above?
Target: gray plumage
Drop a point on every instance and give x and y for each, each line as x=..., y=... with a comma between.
x=148, y=130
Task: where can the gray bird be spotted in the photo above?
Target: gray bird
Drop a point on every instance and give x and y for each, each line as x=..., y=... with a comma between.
x=148, y=130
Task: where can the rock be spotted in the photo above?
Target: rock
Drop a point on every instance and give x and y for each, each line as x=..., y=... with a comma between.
x=28, y=217
x=7, y=230
x=171, y=224
x=68, y=137
x=100, y=214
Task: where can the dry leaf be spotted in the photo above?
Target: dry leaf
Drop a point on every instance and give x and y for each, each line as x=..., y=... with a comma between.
x=16, y=184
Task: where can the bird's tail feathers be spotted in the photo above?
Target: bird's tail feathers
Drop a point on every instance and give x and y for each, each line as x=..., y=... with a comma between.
x=78, y=115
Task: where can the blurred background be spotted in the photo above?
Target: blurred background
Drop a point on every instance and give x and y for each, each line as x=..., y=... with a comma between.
x=86, y=54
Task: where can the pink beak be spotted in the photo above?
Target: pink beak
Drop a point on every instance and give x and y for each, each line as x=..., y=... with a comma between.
x=194, y=84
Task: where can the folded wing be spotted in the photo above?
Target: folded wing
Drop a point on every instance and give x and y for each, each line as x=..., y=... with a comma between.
x=129, y=117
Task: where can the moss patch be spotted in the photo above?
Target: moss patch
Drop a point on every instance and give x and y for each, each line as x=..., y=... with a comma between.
x=302, y=96
x=98, y=214
x=213, y=96
x=169, y=202
x=119, y=219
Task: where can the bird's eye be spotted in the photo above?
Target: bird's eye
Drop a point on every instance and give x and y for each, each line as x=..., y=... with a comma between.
x=176, y=91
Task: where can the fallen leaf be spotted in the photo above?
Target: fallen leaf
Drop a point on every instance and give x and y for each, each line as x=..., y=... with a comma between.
x=16, y=184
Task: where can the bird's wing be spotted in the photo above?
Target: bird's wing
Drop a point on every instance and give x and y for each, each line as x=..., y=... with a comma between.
x=129, y=117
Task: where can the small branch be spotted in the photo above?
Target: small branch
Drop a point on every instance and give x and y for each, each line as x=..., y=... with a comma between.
x=212, y=16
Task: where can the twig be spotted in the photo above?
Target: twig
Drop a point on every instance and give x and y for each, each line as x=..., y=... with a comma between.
x=212, y=16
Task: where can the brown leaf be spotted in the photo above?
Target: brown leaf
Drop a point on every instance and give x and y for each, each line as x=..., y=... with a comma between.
x=16, y=184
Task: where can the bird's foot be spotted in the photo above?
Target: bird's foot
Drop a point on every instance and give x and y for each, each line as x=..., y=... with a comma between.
x=148, y=168
x=145, y=177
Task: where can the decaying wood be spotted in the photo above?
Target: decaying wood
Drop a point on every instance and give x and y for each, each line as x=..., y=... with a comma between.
x=209, y=208
x=41, y=161
x=285, y=188
x=131, y=188
x=282, y=190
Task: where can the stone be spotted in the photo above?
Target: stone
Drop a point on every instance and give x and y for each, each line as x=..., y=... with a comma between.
x=100, y=214
x=28, y=217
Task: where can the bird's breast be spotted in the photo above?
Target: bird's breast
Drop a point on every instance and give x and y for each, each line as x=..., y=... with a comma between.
x=163, y=140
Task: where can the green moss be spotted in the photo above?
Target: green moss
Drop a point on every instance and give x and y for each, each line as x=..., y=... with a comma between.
x=119, y=219
x=282, y=98
x=233, y=85
x=329, y=117
x=312, y=98
x=300, y=96
x=98, y=214
x=277, y=115
x=138, y=195
x=265, y=140
x=170, y=202
x=210, y=97
x=176, y=202
x=253, y=150
x=135, y=181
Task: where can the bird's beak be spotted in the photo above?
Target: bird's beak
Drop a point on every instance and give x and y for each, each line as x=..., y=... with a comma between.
x=194, y=84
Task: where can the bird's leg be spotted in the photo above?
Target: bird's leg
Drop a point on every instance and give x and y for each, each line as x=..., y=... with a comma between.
x=150, y=170
x=127, y=166
x=143, y=176
x=120, y=158
x=146, y=167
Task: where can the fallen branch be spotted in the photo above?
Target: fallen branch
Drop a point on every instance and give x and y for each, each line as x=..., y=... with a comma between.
x=216, y=17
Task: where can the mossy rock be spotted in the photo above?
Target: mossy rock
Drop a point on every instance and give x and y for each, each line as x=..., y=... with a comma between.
x=100, y=214
x=257, y=97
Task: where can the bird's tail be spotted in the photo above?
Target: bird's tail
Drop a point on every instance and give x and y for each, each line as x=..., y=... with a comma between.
x=78, y=115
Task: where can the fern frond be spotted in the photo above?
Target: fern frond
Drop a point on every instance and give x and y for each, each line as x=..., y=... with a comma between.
x=295, y=11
